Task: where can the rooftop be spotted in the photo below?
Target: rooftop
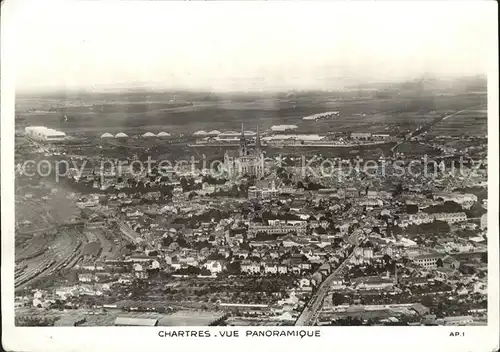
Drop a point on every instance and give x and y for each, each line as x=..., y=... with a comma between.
x=125, y=321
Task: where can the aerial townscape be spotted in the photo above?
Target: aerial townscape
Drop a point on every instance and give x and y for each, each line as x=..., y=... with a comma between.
x=360, y=206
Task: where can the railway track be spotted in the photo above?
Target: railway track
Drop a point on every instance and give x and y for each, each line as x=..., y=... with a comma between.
x=312, y=309
x=60, y=256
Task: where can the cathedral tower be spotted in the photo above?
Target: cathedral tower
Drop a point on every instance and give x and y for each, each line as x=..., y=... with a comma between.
x=243, y=142
x=257, y=140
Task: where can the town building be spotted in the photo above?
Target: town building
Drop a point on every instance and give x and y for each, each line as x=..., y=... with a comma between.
x=428, y=260
x=278, y=228
x=373, y=283
x=465, y=200
x=255, y=192
x=361, y=135
x=450, y=217
x=484, y=221
x=250, y=267
x=214, y=266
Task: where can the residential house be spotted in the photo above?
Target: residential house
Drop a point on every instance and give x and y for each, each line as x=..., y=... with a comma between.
x=270, y=267
x=250, y=267
x=373, y=283
x=214, y=266
x=450, y=263
x=87, y=278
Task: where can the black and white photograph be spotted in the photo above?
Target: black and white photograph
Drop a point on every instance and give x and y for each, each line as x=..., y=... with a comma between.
x=272, y=170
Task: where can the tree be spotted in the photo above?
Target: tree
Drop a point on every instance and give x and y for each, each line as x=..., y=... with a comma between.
x=215, y=256
x=439, y=263
x=320, y=230
x=386, y=258
x=245, y=246
x=412, y=209
x=263, y=236
x=184, y=184
x=205, y=272
x=234, y=268
x=130, y=246
x=398, y=190
x=181, y=241
x=446, y=207
x=190, y=270
x=166, y=241
x=475, y=211
x=338, y=299
x=484, y=257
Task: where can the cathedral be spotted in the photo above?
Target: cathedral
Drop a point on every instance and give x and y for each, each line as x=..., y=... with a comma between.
x=245, y=161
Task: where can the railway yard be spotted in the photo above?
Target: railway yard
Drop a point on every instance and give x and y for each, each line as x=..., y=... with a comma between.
x=46, y=254
x=50, y=236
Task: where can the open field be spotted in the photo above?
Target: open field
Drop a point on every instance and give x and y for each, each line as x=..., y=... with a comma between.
x=416, y=149
x=133, y=114
x=471, y=123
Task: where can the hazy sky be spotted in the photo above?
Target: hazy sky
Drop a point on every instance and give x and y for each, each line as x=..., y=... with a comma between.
x=248, y=45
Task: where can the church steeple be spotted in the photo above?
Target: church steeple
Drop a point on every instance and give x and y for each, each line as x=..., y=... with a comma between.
x=257, y=140
x=243, y=142
x=395, y=274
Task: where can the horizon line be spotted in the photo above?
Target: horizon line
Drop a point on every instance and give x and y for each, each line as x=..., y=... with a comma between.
x=152, y=88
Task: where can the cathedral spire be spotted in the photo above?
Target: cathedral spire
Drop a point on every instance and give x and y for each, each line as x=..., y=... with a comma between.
x=257, y=140
x=395, y=274
x=243, y=142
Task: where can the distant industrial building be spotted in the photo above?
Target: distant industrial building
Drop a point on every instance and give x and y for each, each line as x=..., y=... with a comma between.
x=381, y=136
x=282, y=128
x=200, y=133
x=107, y=135
x=230, y=133
x=163, y=134
x=233, y=136
x=214, y=133
x=42, y=133
x=322, y=116
x=149, y=134
x=293, y=137
x=121, y=135
x=361, y=135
